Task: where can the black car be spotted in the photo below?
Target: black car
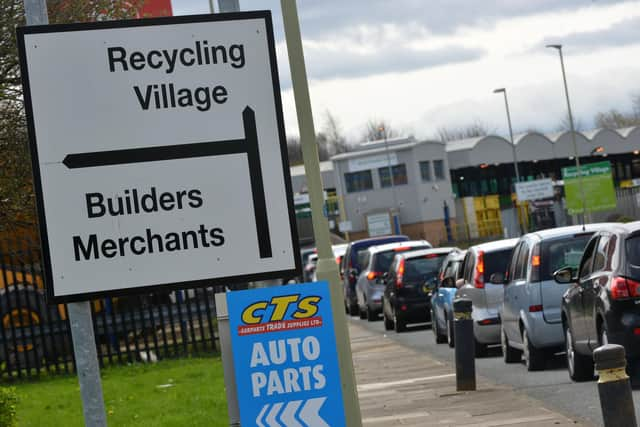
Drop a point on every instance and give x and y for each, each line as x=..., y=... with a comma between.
x=602, y=304
x=350, y=267
x=408, y=287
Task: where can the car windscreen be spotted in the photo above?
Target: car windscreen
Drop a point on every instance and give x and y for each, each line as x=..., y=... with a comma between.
x=383, y=259
x=559, y=253
x=632, y=250
x=424, y=268
x=495, y=262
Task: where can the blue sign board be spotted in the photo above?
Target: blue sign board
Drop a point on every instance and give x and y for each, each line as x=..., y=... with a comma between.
x=285, y=358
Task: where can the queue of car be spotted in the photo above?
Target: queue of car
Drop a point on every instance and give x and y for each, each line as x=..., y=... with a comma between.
x=568, y=289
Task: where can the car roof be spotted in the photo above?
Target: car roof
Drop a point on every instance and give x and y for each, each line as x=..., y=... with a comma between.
x=553, y=233
x=496, y=245
x=626, y=228
x=457, y=255
x=394, y=245
x=381, y=239
x=422, y=252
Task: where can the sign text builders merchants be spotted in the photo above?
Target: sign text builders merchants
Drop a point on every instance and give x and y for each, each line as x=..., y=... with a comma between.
x=158, y=145
x=599, y=192
x=284, y=354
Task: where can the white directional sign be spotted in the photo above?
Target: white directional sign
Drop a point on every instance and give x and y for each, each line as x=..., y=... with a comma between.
x=534, y=190
x=159, y=153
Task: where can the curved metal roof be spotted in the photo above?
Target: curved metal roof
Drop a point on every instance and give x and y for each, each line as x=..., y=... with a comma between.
x=531, y=146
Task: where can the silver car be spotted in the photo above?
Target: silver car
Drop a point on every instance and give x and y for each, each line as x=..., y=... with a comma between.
x=480, y=262
x=376, y=261
x=531, y=312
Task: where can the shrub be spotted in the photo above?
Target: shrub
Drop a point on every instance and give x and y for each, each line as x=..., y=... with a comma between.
x=8, y=402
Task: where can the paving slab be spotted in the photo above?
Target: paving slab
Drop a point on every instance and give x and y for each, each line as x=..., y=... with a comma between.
x=399, y=386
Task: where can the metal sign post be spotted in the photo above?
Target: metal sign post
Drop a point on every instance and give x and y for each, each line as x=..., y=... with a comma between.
x=327, y=268
x=84, y=346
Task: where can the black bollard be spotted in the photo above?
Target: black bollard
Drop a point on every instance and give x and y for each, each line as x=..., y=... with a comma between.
x=465, y=345
x=614, y=388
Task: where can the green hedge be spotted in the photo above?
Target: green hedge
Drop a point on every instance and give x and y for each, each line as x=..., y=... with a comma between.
x=8, y=402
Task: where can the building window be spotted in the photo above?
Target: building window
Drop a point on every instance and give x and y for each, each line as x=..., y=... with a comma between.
x=358, y=181
x=399, y=175
x=425, y=170
x=438, y=169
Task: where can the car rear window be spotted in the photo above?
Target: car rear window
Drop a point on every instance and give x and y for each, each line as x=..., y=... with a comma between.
x=383, y=259
x=423, y=268
x=632, y=249
x=560, y=253
x=496, y=262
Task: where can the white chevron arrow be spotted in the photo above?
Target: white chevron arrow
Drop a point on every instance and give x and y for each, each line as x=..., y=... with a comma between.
x=273, y=413
x=309, y=413
x=260, y=415
x=289, y=413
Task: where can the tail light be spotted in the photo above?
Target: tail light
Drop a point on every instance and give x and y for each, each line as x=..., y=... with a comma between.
x=621, y=287
x=535, y=308
x=535, y=264
x=338, y=260
x=402, y=249
x=478, y=277
x=400, y=274
x=373, y=275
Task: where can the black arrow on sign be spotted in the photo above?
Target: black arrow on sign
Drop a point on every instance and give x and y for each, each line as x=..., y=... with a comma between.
x=248, y=145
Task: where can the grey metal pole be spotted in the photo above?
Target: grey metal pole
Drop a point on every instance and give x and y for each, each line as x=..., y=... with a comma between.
x=227, y=6
x=224, y=334
x=558, y=47
x=87, y=367
x=396, y=208
x=327, y=268
x=84, y=342
x=513, y=144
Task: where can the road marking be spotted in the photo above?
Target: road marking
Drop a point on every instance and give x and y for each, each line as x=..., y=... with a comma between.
x=377, y=386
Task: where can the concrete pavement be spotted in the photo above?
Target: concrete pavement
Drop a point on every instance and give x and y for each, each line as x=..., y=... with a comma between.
x=399, y=386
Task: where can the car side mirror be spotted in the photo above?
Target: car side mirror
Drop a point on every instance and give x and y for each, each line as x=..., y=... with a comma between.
x=564, y=276
x=459, y=283
x=497, y=278
x=448, y=282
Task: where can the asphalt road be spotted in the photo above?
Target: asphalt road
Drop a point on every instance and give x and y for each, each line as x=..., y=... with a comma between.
x=551, y=386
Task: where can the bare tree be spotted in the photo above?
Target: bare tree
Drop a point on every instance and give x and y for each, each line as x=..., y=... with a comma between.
x=565, y=124
x=614, y=119
x=378, y=129
x=294, y=151
x=334, y=135
x=470, y=131
x=16, y=187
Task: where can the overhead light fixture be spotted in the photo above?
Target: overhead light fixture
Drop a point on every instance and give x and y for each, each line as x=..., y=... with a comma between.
x=462, y=178
x=599, y=149
x=484, y=166
x=636, y=152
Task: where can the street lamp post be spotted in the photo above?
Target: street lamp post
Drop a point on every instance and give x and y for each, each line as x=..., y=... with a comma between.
x=396, y=225
x=558, y=47
x=513, y=144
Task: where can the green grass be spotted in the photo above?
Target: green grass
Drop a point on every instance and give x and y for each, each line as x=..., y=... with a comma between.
x=195, y=396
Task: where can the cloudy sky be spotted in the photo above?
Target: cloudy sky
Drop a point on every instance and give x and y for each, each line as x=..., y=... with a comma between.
x=423, y=65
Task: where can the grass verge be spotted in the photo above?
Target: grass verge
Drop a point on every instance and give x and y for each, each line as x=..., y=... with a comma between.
x=181, y=392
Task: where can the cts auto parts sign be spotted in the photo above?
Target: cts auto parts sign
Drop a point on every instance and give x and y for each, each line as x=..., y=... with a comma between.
x=285, y=358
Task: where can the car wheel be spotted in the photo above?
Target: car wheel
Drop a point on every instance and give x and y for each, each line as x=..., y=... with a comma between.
x=398, y=324
x=533, y=357
x=371, y=314
x=354, y=310
x=509, y=354
x=440, y=338
x=388, y=323
x=450, y=333
x=580, y=367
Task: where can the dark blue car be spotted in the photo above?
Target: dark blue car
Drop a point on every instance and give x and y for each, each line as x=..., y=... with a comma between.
x=350, y=267
x=443, y=295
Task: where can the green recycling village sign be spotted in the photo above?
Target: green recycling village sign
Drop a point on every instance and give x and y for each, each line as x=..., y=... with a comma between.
x=599, y=192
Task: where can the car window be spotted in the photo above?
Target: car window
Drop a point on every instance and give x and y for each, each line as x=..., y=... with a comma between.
x=495, y=262
x=600, y=259
x=561, y=253
x=466, y=274
x=522, y=262
x=423, y=269
x=632, y=251
x=587, y=259
x=513, y=263
x=382, y=260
